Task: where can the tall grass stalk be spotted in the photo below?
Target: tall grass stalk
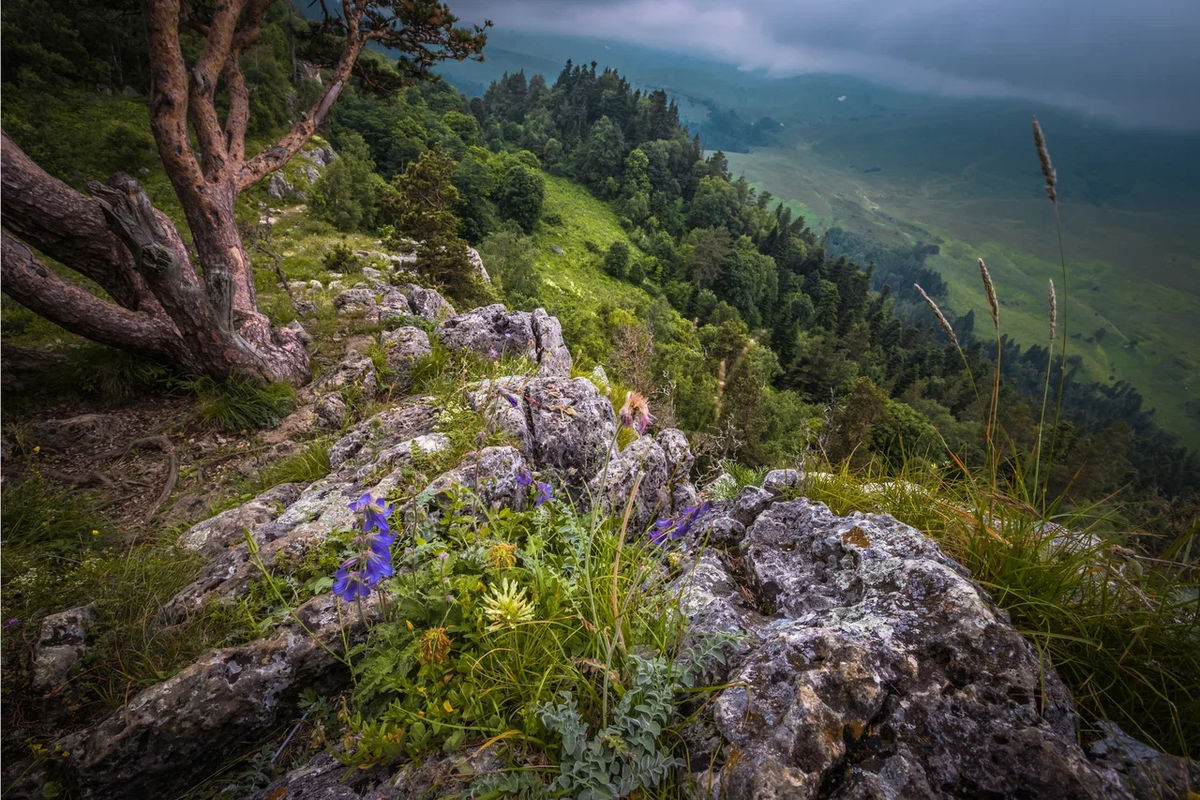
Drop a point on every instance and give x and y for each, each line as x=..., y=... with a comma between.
x=1051, y=176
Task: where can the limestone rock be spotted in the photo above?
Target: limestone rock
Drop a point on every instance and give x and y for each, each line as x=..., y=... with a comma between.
x=491, y=476
x=392, y=307
x=493, y=330
x=382, y=431
x=778, y=481
x=404, y=347
x=331, y=410
x=872, y=666
x=279, y=187
x=176, y=731
x=360, y=299
x=477, y=266
x=561, y=424
x=553, y=357
x=212, y=536
x=749, y=503
x=358, y=465
x=356, y=370
x=643, y=458
x=1146, y=771
x=403, y=453
x=61, y=645
x=426, y=303
x=436, y=776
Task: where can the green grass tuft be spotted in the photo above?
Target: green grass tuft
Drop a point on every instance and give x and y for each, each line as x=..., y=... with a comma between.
x=240, y=405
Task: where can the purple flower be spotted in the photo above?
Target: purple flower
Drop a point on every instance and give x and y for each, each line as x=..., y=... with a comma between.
x=377, y=568
x=544, y=492
x=672, y=528
x=524, y=478
x=359, y=574
x=8, y=623
x=492, y=354
x=375, y=513
x=350, y=584
x=512, y=400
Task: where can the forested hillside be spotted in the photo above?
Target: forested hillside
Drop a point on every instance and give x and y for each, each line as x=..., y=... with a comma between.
x=800, y=354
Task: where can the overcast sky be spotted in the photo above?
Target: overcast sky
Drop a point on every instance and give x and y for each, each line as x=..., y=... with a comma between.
x=1136, y=62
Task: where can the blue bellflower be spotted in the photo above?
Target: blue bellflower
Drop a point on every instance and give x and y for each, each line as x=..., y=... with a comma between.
x=544, y=492
x=672, y=528
x=359, y=574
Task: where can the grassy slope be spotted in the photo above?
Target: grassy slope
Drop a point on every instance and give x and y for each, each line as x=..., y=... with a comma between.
x=576, y=276
x=1132, y=275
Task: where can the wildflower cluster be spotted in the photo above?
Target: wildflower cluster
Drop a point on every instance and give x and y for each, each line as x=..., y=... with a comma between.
x=677, y=527
x=545, y=490
x=373, y=562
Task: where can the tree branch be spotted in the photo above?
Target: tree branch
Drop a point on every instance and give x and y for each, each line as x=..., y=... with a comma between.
x=202, y=317
x=169, y=100
x=275, y=156
x=238, y=118
x=202, y=87
x=69, y=227
x=28, y=281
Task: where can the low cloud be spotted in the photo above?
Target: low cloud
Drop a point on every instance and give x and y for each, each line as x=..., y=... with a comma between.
x=1134, y=63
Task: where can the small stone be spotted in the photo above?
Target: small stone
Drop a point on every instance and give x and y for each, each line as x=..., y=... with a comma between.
x=331, y=411
x=61, y=645
x=779, y=481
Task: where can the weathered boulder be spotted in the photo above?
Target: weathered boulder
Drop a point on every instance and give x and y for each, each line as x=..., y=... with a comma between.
x=213, y=535
x=164, y=738
x=553, y=357
x=61, y=645
x=356, y=370
x=437, y=776
x=331, y=410
x=643, y=463
x=360, y=299
x=493, y=331
x=387, y=428
x=404, y=347
x=561, y=424
x=402, y=454
x=320, y=508
x=426, y=303
x=867, y=664
x=1146, y=771
x=778, y=481
x=392, y=307
x=662, y=463
x=491, y=477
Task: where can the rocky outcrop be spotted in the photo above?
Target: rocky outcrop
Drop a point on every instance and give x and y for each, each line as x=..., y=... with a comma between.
x=318, y=510
x=861, y=662
x=865, y=663
x=404, y=347
x=561, y=424
x=487, y=479
x=215, y=535
x=157, y=743
x=659, y=467
x=427, y=304
x=494, y=331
